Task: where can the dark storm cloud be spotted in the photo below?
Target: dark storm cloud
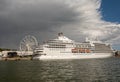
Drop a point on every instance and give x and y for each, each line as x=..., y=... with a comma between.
x=21, y=17
x=3, y=5
x=45, y=18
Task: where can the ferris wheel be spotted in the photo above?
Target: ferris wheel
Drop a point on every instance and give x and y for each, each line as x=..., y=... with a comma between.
x=28, y=44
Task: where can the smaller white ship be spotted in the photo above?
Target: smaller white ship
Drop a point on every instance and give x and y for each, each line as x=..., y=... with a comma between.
x=64, y=48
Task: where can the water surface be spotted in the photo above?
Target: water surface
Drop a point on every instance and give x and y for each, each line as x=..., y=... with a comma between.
x=89, y=70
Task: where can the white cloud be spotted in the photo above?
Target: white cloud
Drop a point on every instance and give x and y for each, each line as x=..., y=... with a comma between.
x=90, y=22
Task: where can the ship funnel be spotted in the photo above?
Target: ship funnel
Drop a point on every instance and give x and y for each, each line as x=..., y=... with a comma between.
x=60, y=34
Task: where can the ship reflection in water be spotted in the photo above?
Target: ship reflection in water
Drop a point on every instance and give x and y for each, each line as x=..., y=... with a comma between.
x=89, y=70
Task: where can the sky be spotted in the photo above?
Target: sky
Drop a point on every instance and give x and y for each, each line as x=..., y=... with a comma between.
x=111, y=10
x=43, y=19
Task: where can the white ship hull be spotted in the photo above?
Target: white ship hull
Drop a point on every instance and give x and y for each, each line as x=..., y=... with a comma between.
x=65, y=48
x=75, y=56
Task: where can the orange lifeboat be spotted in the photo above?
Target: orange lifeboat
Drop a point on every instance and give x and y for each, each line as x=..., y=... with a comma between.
x=75, y=50
x=87, y=50
x=82, y=50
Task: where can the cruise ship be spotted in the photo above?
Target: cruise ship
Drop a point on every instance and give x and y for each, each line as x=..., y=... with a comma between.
x=64, y=48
